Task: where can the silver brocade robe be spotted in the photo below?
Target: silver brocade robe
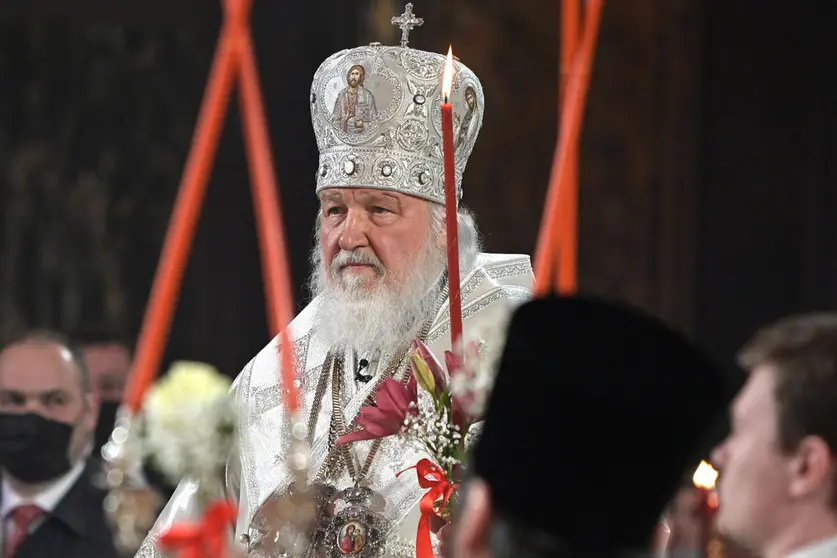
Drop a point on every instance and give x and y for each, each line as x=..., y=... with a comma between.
x=490, y=291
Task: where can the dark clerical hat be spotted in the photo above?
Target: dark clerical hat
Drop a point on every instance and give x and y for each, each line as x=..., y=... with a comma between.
x=597, y=412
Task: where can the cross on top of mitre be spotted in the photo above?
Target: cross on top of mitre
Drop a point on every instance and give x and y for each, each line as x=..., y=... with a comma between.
x=406, y=22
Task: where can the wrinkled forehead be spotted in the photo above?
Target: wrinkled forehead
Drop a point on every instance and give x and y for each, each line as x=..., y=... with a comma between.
x=37, y=366
x=369, y=195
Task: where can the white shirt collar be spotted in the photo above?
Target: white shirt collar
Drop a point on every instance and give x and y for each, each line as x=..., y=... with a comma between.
x=824, y=548
x=47, y=499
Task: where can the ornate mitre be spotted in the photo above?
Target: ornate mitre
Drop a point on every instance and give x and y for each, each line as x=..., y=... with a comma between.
x=376, y=112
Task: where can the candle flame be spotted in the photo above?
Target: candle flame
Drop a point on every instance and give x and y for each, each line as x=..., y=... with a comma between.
x=705, y=476
x=447, y=77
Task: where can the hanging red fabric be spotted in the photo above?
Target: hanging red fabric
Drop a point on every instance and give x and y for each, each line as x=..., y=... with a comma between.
x=557, y=227
x=234, y=62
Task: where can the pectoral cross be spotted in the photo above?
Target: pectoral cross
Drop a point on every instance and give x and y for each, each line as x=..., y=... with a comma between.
x=406, y=22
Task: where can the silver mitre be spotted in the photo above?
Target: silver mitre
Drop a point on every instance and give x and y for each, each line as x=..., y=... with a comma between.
x=376, y=112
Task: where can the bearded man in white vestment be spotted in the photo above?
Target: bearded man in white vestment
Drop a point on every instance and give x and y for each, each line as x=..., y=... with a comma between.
x=379, y=281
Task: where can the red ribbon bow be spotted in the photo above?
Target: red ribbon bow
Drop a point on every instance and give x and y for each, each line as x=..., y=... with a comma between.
x=206, y=539
x=433, y=477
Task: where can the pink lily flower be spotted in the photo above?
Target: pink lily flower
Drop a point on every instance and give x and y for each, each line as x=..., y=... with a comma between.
x=394, y=402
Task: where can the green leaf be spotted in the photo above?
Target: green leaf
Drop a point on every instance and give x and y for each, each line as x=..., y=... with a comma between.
x=444, y=401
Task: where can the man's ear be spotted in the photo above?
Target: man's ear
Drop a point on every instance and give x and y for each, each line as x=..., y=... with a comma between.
x=473, y=524
x=811, y=469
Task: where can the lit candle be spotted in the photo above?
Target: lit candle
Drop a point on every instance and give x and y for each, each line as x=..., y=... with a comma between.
x=450, y=203
x=704, y=479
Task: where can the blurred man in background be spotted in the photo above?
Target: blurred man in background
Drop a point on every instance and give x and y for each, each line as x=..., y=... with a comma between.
x=108, y=360
x=686, y=521
x=778, y=482
x=48, y=414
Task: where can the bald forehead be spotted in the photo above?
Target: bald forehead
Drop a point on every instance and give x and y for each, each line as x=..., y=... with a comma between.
x=39, y=346
x=38, y=365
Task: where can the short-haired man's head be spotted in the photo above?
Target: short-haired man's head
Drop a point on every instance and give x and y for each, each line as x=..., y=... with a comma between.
x=356, y=75
x=778, y=461
x=802, y=352
x=42, y=373
x=49, y=337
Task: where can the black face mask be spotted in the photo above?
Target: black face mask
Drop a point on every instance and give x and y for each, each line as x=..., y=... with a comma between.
x=33, y=448
x=107, y=420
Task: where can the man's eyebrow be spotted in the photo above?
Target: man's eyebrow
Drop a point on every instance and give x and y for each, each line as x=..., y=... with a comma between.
x=35, y=393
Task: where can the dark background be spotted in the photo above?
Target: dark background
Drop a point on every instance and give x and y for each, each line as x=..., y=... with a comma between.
x=767, y=235
x=708, y=156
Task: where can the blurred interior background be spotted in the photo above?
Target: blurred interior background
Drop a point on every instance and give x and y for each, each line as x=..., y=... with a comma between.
x=708, y=161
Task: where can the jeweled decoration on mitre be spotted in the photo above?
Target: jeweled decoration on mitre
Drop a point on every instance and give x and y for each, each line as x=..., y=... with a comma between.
x=376, y=112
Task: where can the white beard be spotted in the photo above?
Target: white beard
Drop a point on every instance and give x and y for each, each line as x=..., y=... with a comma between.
x=368, y=318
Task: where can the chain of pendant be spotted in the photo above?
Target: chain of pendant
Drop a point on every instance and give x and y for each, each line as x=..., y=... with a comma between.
x=334, y=369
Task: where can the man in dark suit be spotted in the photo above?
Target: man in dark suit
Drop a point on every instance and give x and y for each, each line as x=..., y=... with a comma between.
x=48, y=502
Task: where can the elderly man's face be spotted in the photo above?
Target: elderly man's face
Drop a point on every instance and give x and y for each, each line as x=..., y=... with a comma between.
x=40, y=377
x=370, y=235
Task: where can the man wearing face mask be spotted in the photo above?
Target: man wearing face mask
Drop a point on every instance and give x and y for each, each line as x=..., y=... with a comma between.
x=48, y=503
x=108, y=361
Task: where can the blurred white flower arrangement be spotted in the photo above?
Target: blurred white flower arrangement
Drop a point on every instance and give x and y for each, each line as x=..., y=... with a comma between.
x=473, y=382
x=188, y=425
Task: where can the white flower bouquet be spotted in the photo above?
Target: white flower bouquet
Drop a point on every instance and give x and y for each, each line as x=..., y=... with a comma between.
x=188, y=425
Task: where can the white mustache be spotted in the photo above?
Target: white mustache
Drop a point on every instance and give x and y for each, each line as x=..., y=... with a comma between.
x=344, y=259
